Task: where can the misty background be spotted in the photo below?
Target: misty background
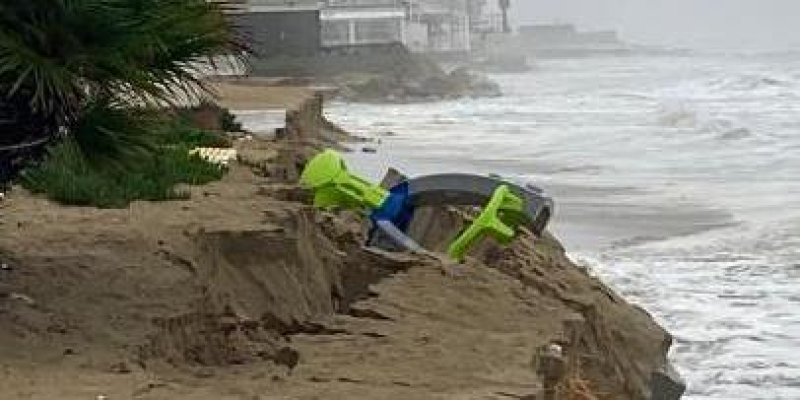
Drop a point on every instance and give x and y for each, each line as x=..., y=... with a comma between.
x=729, y=25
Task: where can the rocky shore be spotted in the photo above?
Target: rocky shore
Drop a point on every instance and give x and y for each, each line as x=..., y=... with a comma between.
x=460, y=83
x=379, y=74
x=247, y=292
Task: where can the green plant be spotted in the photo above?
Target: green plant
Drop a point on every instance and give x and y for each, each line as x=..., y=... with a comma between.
x=66, y=176
x=90, y=72
x=113, y=136
x=59, y=58
x=229, y=123
x=114, y=157
x=181, y=131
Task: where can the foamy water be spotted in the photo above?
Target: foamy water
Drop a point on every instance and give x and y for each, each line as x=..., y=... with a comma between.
x=676, y=178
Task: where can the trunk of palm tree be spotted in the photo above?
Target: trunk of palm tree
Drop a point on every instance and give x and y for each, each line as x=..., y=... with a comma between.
x=23, y=136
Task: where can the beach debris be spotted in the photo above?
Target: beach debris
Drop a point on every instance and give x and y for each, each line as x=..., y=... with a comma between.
x=22, y=298
x=370, y=150
x=551, y=366
x=555, y=349
x=507, y=207
x=219, y=156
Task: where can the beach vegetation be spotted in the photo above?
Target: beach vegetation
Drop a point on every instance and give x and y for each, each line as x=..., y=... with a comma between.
x=151, y=169
x=100, y=81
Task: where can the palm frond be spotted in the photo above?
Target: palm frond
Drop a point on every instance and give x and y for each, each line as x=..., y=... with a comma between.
x=62, y=61
x=115, y=137
x=59, y=54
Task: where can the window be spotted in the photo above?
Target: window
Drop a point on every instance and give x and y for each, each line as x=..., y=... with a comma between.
x=335, y=33
x=379, y=31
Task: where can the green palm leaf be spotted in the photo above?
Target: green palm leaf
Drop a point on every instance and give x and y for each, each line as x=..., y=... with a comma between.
x=59, y=57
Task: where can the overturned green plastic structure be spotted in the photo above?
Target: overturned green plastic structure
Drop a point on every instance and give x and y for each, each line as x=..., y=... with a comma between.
x=506, y=207
x=333, y=186
x=500, y=220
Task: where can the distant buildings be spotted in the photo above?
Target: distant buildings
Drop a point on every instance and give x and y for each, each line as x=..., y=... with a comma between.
x=231, y=6
x=422, y=26
x=304, y=27
x=448, y=23
x=354, y=23
x=279, y=27
x=309, y=27
x=565, y=38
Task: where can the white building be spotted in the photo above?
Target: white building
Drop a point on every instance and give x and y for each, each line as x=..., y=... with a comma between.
x=376, y=23
x=231, y=6
x=282, y=5
x=448, y=23
x=421, y=25
x=436, y=26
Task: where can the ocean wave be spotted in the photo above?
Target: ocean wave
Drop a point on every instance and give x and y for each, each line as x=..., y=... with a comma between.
x=712, y=280
x=632, y=95
x=753, y=82
x=725, y=129
x=737, y=86
x=721, y=133
x=681, y=116
x=736, y=134
x=755, y=85
x=677, y=117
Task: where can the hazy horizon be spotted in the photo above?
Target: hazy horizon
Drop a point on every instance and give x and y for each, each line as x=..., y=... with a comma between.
x=747, y=25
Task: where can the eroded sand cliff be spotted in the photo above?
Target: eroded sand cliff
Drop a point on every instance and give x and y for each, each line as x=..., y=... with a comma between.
x=247, y=292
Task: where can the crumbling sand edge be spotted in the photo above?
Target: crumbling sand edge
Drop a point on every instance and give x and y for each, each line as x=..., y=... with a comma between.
x=249, y=285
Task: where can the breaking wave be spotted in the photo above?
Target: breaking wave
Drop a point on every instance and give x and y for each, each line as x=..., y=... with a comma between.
x=752, y=82
x=606, y=136
x=679, y=116
x=682, y=117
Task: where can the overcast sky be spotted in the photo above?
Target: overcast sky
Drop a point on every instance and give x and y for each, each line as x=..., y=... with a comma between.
x=715, y=24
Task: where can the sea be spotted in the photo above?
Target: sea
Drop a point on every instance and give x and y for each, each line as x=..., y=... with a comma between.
x=676, y=179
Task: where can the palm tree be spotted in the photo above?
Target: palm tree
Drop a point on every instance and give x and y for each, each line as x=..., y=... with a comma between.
x=504, y=6
x=59, y=58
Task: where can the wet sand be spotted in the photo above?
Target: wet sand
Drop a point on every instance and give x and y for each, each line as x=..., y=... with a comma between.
x=590, y=220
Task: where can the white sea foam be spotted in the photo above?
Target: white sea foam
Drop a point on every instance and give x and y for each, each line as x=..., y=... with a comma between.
x=657, y=145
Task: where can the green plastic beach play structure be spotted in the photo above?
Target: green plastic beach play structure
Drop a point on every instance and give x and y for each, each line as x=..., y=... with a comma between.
x=506, y=207
x=334, y=186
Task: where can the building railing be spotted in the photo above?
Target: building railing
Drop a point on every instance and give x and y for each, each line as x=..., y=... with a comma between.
x=231, y=6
